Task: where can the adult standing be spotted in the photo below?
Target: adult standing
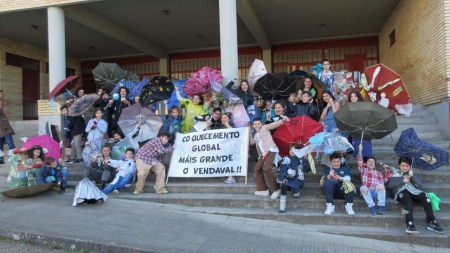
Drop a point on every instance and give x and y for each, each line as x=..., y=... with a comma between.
x=326, y=75
x=151, y=157
x=76, y=128
x=116, y=107
x=6, y=134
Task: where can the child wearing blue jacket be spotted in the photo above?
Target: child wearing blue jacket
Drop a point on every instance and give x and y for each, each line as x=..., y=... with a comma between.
x=52, y=172
x=172, y=123
x=338, y=185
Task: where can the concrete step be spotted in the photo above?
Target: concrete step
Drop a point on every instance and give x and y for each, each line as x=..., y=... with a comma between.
x=416, y=120
x=418, y=128
x=425, y=136
x=307, y=202
x=389, y=145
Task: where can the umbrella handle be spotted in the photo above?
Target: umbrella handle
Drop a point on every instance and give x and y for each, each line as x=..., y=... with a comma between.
x=362, y=134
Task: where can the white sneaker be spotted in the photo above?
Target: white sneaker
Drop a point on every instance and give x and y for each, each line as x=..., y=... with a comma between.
x=116, y=191
x=349, y=209
x=276, y=194
x=262, y=193
x=330, y=209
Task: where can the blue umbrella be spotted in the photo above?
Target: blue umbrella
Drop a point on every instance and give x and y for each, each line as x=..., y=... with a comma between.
x=173, y=99
x=136, y=90
x=129, y=84
x=424, y=155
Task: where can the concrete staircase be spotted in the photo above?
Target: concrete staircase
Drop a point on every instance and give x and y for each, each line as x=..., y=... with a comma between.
x=211, y=195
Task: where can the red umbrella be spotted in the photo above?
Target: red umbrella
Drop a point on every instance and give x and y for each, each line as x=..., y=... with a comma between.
x=47, y=144
x=387, y=85
x=297, y=130
x=66, y=84
x=200, y=81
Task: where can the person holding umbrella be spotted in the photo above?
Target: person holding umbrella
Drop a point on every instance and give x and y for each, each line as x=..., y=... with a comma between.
x=116, y=106
x=242, y=92
x=354, y=97
x=326, y=75
x=193, y=108
x=96, y=127
x=267, y=150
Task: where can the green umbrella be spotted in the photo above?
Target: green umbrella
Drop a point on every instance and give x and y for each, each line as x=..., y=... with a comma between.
x=365, y=120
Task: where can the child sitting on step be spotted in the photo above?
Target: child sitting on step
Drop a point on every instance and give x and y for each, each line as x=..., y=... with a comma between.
x=372, y=183
x=126, y=171
x=53, y=173
x=337, y=185
x=408, y=188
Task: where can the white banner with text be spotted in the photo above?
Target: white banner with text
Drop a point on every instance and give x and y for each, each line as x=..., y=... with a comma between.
x=212, y=153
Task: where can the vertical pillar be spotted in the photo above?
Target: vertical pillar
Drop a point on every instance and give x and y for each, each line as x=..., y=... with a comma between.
x=228, y=40
x=56, y=46
x=163, y=67
x=267, y=59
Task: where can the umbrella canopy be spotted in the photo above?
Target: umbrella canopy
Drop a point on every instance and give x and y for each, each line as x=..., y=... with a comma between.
x=328, y=142
x=107, y=75
x=158, y=89
x=256, y=71
x=66, y=84
x=91, y=149
x=386, y=86
x=239, y=116
x=275, y=86
x=87, y=193
x=129, y=84
x=424, y=155
x=301, y=75
x=137, y=118
x=297, y=130
x=28, y=191
x=136, y=90
x=47, y=144
x=368, y=120
x=200, y=82
x=82, y=104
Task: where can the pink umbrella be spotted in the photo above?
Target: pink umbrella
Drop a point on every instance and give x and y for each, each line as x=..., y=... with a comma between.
x=239, y=115
x=47, y=144
x=256, y=71
x=66, y=84
x=200, y=81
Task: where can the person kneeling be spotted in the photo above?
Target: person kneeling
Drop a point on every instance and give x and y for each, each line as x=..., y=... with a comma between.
x=126, y=170
x=337, y=185
x=53, y=172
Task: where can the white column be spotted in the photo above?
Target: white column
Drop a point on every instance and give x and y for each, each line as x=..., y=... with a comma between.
x=56, y=46
x=267, y=59
x=228, y=40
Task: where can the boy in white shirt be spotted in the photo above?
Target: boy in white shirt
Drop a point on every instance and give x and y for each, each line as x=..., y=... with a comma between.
x=126, y=170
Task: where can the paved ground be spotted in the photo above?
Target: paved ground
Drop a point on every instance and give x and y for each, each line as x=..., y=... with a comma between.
x=9, y=246
x=133, y=226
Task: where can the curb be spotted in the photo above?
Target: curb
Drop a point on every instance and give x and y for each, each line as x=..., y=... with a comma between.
x=74, y=245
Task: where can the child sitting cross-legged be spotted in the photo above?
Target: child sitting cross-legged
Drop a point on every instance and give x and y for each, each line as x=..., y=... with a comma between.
x=337, y=185
x=372, y=186
x=407, y=188
x=126, y=170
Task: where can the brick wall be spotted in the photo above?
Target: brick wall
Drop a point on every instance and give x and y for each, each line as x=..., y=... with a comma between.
x=15, y=5
x=11, y=77
x=419, y=54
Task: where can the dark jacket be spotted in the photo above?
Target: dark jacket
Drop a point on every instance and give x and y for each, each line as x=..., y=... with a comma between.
x=5, y=127
x=294, y=181
x=46, y=171
x=308, y=109
x=216, y=124
x=116, y=110
x=395, y=183
x=76, y=125
x=247, y=98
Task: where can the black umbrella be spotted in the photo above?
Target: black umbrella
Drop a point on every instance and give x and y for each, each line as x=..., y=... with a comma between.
x=301, y=75
x=366, y=120
x=275, y=85
x=158, y=89
x=107, y=75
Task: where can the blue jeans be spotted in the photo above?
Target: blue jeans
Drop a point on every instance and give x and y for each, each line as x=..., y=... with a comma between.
x=65, y=178
x=9, y=140
x=374, y=194
x=332, y=189
x=128, y=179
